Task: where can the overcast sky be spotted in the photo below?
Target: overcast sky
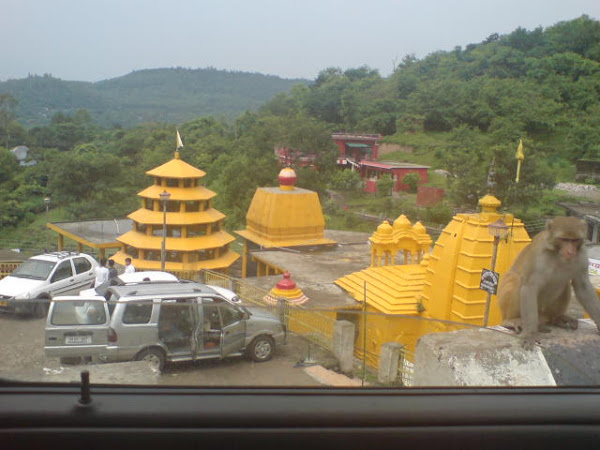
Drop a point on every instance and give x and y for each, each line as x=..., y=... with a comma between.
x=92, y=40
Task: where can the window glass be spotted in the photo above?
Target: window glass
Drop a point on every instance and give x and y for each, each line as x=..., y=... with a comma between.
x=196, y=230
x=191, y=206
x=212, y=319
x=229, y=314
x=34, y=269
x=78, y=313
x=81, y=265
x=136, y=312
x=64, y=270
x=400, y=170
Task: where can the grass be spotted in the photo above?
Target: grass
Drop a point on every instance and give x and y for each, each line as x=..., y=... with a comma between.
x=35, y=237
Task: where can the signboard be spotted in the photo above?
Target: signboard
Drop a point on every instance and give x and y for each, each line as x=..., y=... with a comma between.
x=594, y=267
x=489, y=281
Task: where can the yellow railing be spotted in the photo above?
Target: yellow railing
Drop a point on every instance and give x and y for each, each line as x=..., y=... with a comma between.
x=316, y=326
x=7, y=267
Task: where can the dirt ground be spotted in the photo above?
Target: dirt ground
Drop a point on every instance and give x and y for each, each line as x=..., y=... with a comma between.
x=22, y=357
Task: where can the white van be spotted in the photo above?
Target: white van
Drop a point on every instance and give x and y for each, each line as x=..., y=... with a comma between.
x=159, y=322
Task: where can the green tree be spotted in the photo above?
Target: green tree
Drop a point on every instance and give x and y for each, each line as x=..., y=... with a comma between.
x=346, y=180
x=385, y=184
x=10, y=130
x=412, y=180
x=84, y=182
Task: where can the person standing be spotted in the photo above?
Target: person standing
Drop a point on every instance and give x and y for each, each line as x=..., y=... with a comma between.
x=112, y=271
x=101, y=273
x=129, y=268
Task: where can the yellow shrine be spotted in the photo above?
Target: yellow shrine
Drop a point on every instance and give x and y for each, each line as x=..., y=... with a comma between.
x=288, y=290
x=282, y=217
x=430, y=292
x=178, y=203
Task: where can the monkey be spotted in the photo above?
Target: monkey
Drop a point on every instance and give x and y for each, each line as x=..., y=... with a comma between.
x=536, y=290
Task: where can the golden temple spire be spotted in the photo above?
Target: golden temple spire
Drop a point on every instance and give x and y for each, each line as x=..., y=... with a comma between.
x=520, y=158
x=178, y=145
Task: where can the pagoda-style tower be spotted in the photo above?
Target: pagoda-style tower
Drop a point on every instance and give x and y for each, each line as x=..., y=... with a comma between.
x=195, y=236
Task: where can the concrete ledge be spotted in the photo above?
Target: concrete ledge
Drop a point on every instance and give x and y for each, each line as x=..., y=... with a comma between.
x=495, y=357
x=480, y=357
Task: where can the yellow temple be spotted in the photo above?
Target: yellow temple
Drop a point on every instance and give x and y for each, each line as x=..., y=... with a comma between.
x=430, y=292
x=178, y=203
x=282, y=217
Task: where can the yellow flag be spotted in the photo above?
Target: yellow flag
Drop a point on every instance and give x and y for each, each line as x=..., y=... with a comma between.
x=179, y=143
x=520, y=155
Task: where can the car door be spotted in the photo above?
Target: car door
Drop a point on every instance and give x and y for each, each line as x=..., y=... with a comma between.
x=233, y=326
x=62, y=280
x=176, y=325
x=208, y=337
x=84, y=273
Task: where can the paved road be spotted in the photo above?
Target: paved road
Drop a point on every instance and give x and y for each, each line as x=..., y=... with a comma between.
x=22, y=357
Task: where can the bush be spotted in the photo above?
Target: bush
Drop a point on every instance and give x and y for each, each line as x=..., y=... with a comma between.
x=439, y=214
x=346, y=180
x=412, y=180
x=385, y=185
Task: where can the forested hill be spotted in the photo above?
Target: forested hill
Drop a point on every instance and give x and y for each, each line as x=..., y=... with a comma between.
x=455, y=110
x=153, y=95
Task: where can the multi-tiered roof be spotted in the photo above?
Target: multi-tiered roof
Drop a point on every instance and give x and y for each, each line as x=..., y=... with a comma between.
x=195, y=236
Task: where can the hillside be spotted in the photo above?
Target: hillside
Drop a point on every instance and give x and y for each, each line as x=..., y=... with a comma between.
x=153, y=95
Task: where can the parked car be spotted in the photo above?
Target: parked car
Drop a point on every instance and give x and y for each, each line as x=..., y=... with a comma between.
x=153, y=276
x=29, y=288
x=123, y=279
x=229, y=295
x=159, y=322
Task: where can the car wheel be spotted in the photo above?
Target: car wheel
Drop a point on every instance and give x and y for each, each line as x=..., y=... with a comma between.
x=261, y=348
x=154, y=356
x=40, y=307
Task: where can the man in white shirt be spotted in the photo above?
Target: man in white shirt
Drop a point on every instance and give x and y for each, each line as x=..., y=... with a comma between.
x=129, y=268
x=101, y=273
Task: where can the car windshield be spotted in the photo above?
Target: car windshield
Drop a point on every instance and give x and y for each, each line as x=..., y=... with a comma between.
x=34, y=269
x=301, y=194
x=78, y=313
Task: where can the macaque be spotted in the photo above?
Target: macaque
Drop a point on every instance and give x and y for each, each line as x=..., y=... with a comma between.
x=535, y=292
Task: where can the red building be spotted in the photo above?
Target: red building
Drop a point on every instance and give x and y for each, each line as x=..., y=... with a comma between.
x=371, y=172
x=354, y=148
x=361, y=151
x=358, y=151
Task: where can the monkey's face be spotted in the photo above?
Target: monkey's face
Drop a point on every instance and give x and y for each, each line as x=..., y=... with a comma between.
x=566, y=236
x=568, y=248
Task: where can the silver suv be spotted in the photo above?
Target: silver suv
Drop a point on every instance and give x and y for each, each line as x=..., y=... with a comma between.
x=30, y=287
x=159, y=322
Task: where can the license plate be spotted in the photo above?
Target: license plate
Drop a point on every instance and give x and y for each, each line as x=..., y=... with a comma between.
x=78, y=340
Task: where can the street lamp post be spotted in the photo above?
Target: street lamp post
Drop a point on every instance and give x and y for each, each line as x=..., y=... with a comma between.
x=498, y=229
x=164, y=197
x=47, y=203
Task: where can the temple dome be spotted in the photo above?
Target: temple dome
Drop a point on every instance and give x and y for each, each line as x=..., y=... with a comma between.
x=287, y=178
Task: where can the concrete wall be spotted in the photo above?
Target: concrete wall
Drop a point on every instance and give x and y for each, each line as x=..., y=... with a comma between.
x=495, y=357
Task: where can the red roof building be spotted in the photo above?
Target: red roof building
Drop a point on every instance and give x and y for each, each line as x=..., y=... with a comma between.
x=356, y=147
x=371, y=171
x=358, y=151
